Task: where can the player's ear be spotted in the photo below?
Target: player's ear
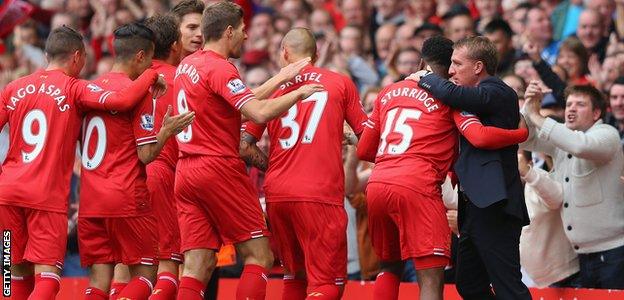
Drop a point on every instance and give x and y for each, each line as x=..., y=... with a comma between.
x=175, y=47
x=229, y=31
x=140, y=56
x=314, y=57
x=76, y=56
x=421, y=65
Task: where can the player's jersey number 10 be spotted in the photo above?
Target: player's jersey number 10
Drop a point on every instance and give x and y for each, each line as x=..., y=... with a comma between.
x=95, y=124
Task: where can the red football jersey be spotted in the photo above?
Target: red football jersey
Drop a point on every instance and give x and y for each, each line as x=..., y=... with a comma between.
x=209, y=85
x=44, y=114
x=112, y=181
x=417, y=138
x=305, y=157
x=168, y=157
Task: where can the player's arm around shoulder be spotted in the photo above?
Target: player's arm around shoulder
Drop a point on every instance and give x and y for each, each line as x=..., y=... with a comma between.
x=92, y=96
x=285, y=74
x=260, y=111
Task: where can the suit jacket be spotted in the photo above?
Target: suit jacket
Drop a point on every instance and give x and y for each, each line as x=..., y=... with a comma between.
x=486, y=176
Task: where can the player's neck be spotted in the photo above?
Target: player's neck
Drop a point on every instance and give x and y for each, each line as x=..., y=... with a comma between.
x=173, y=59
x=294, y=59
x=56, y=66
x=119, y=67
x=217, y=47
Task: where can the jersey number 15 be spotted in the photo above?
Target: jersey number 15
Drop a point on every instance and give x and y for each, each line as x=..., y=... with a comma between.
x=401, y=127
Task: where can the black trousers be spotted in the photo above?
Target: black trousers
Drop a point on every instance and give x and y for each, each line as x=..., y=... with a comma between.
x=488, y=252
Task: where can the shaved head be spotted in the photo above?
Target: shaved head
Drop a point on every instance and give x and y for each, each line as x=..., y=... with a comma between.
x=299, y=43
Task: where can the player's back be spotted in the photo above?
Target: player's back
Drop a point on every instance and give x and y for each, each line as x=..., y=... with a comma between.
x=418, y=140
x=209, y=85
x=305, y=159
x=113, y=177
x=169, y=154
x=44, y=126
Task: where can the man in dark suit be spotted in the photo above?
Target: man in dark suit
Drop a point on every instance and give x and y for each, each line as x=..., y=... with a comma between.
x=491, y=207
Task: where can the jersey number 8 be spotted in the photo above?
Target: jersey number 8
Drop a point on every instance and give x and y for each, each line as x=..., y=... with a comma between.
x=187, y=134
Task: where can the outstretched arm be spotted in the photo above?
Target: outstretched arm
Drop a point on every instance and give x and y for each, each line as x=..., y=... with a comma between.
x=487, y=137
x=263, y=111
x=92, y=96
x=285, y=74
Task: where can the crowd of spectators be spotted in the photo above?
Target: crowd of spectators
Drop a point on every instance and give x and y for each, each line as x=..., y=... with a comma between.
x=378, y=42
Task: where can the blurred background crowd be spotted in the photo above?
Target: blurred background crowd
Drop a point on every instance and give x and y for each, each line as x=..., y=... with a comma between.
x=376, y=43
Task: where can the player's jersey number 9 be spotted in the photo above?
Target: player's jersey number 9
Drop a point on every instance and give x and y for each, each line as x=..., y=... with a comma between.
x=400, y=126
x=91, y=162
x=30, y=137
x=289, y=121
x=187, y=134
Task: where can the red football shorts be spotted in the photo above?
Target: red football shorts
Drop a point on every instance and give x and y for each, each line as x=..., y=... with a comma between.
x=37, y=236
x=311, y=237
x=127, y=240
x=405, y=224
x=216, y=203
x=160, y=183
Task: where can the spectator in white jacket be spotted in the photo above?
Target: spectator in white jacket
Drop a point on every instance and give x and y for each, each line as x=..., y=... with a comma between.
x=546, y=255
x=588, y=162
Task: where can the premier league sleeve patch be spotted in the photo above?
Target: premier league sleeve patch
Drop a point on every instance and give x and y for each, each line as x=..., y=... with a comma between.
x=94, y=88
x=236, y=86
x=467, y=114
x=147, y=122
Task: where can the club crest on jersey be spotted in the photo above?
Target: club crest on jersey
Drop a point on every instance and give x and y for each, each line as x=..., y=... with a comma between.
x=466, y=114
x=236, y=86
x=94, y=88
x=147, y=122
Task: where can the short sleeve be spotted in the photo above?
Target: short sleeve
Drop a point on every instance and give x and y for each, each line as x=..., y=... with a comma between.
x=143, y=122
x=354, y=111
x=4, y=114
x=228, y=84
x=4, y=117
